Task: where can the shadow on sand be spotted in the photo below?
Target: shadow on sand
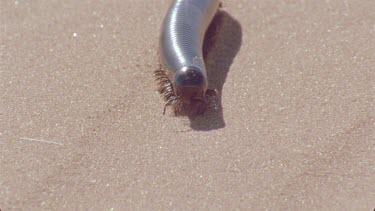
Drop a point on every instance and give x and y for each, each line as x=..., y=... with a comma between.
x=222, y=42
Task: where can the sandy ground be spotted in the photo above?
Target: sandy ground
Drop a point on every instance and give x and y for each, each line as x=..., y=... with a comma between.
x=81, y=124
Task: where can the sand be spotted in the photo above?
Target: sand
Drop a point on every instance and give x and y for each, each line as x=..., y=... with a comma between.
x=81, y=124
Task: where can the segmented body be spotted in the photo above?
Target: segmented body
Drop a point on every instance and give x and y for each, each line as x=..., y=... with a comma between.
x=182, y=74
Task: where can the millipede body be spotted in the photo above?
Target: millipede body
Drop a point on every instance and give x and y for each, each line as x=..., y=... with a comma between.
x=182, y=74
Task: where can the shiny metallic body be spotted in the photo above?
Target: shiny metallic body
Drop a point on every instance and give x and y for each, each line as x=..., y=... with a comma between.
x=181, y=41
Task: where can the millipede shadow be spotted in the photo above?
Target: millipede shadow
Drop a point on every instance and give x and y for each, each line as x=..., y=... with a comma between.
x=221, y=44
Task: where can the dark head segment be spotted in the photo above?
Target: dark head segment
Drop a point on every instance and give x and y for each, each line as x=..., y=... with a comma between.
x=190, y=82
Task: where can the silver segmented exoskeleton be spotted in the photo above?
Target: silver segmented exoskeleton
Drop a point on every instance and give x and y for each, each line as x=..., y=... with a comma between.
x=182, y=74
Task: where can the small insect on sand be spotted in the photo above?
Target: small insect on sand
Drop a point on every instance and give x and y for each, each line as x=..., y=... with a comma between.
x=182, y=76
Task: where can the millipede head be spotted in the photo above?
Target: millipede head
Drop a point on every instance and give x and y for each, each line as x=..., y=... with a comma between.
x=186, y=97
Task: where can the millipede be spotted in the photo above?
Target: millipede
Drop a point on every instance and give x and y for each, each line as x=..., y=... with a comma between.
x=182, y=76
